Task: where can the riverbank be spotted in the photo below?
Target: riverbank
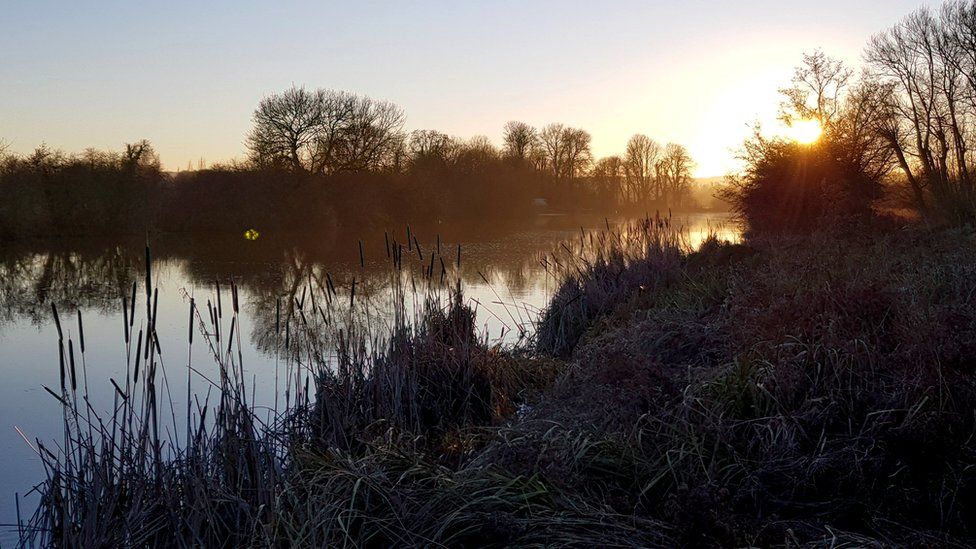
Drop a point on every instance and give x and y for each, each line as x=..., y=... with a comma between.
x=800, y=390
x=789, y=391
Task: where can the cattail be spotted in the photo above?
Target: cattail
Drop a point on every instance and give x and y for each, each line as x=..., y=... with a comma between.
x=230, y=339
x=362, y=257
x=148, y=275
x=71, y=365
x=118, y=389
x=81, y=332
x=61, y=400
x=135, y=373
x=57, y=320
x=155, y=307
x=125, y=319
x=190, y=334
x=61, y=363
x=132, y=305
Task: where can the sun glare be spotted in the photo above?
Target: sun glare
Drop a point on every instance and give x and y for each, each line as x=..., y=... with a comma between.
x=804, y=131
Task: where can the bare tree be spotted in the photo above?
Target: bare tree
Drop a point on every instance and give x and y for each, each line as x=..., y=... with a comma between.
x=141, y=154
x=519, y=139
x=325, y=131
x=817, y=90
x=475, y=155
x=861, y=131
x=929, y=64
x=425, y=144
x=640, y=160
x=565, y=151
x=608, y=176
x=552, y=149
x=578, y=154
x=674, y=170
x=288, y=129
x=375, y=126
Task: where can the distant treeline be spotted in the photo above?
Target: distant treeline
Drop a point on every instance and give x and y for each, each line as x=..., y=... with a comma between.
x=321, y=159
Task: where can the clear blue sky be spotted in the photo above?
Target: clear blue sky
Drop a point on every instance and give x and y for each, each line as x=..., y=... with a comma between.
x=187, y=75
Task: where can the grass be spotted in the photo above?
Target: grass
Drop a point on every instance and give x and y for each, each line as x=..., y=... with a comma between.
x=792, y=388
x=811, y=390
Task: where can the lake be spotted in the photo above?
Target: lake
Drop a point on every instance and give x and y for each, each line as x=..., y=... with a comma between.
x=501, y=269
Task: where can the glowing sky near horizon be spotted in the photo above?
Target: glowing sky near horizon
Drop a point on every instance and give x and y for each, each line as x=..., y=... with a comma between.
x=187, y=75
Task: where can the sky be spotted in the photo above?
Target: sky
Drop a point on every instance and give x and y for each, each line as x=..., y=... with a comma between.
x=187, y=75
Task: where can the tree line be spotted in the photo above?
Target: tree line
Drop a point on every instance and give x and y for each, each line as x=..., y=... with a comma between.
x=323, y=132
x=323, y=159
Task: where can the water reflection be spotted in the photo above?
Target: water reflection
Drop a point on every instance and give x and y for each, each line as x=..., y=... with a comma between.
x=276, y=270
x=30, y=280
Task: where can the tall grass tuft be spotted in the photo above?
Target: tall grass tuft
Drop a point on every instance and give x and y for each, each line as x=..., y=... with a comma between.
x=603, y=272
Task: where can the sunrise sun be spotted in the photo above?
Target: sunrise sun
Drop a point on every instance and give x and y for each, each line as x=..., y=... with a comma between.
x=804, y=131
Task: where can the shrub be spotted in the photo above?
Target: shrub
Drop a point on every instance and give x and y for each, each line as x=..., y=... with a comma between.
x=788, y=187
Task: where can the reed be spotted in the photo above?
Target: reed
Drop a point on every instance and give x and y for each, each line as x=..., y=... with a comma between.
x=602, y=272
x=128, y=479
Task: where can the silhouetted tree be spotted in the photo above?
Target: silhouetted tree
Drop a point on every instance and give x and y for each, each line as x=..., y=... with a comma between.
x=674, y=174
x=608, y=178
x=565, y=151
x=141, y=154
x=288, y=129
x=818, y=88
x=429, y=145
x=927, y=63
x=364, y=142
x=325, y=131
x=477, y=154
x=520, y=138
x=640, y=159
